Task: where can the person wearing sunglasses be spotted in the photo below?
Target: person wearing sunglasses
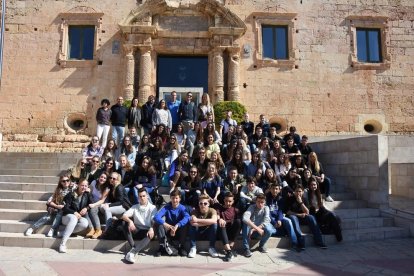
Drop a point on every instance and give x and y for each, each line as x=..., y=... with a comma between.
x=187, y=112
x=203, y=226
x=93, y=149
x=54, y=207
x=81, y=170
x=118, y=201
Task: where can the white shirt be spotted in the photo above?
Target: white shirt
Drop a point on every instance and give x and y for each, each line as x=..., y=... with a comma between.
x=143, y=215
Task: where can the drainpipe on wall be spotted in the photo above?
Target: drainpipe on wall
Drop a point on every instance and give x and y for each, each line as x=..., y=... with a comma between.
x=3, y=15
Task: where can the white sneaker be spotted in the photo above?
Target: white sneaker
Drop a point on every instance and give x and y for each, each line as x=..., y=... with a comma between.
x=193, y=252
x=50, y=233
x=29, y=232
x=130, y=256
x=329, y=199
x=213, y=253
x=63, y=248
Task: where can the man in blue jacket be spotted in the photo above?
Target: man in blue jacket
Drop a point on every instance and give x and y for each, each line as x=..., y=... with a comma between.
x=172, y=221
x=282, y=224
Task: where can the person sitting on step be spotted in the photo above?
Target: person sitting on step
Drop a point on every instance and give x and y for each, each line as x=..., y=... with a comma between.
x=172, y=223
x=140, y=226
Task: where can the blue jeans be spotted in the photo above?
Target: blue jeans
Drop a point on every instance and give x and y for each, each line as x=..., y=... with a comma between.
x=311, y=222
x=287, y=229
x=326, y=186
x=118, y=133
x=269, y=230
x=204, y=232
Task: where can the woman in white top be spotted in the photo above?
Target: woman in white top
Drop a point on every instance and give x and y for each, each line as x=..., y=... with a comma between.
x=162, y=115
x=205, y=107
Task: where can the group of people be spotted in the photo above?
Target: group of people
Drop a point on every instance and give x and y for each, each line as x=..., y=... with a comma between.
x=242, y=178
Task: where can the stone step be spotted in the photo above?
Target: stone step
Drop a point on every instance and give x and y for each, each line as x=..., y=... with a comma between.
x=42, y=187
x=21, y=215
x=22, y=204
x=362, y=223
x=30, y=165
x=342, y=196
x=79, y=242
x=29, y=179
x=345, y=204
x=17, y=155
x=30, y=195
x=377, y=233
x=357, y=213
x=33, y=172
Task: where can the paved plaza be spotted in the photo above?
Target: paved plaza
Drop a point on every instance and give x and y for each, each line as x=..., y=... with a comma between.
x=388, y=257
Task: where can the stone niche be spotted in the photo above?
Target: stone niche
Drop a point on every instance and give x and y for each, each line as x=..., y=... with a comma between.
x=202, y=27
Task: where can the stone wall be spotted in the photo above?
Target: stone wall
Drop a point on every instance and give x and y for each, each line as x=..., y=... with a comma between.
x=320, y=93
x=401, y=159
x=402, y=180
x=358, y=164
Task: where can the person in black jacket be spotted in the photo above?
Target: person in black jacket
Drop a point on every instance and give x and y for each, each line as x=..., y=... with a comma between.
x=187, y=112
x=146, y=116
x=119, y=117
x=118, y=201
x=75, y=210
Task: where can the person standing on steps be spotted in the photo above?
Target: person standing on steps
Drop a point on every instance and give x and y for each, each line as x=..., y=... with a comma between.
x=119, y=119
x=103, y=118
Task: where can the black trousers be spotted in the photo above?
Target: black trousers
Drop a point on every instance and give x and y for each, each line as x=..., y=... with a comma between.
x=180, y=234
x=138, y=234
x=230, y=232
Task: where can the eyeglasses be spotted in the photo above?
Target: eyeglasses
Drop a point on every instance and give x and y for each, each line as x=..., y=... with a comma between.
x=113, y=178
x=83, y=163
x=172, y=139
x=190, y=96
x=65, y=180
x=203, y=203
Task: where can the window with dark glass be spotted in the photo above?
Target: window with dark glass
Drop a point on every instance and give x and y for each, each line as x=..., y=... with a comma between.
x=275, y=42
x=81, y=42
x=368, y=45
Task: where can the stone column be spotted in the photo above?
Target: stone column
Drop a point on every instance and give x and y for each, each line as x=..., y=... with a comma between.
x=234, y=71
x=144, y=74
x=129, y=72
x=218, y=74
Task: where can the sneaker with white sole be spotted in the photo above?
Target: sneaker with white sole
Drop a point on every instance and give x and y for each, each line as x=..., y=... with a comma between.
x=29, y=232
x=63, y=248
x=50, y=233
x=329, y=199
x=130, y=256
x=213, y=253
x=192, y=253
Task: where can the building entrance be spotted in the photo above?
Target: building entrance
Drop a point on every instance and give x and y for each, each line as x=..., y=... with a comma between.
x=182, y=74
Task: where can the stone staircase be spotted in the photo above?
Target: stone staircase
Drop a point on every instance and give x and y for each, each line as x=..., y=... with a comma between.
x=28, y=179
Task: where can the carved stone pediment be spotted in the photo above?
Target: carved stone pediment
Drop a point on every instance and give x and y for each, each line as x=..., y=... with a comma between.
x=82, y=11
x=196, y=16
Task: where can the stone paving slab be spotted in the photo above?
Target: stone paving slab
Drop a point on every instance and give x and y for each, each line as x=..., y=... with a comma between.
x=388, y=257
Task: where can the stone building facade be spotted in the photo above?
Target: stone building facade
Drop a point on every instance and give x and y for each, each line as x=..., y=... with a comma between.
x=321, y=86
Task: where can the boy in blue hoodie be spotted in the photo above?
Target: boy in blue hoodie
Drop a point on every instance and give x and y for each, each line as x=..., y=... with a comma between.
x=172, y=221
x=282, y=224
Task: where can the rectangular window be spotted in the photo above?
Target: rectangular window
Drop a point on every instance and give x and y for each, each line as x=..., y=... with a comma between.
x=368, y=45
x=81, y=42
x=275, y=42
